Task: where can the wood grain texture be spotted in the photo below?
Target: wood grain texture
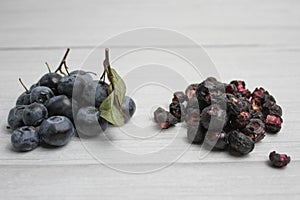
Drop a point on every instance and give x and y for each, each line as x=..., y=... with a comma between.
x=257, y=41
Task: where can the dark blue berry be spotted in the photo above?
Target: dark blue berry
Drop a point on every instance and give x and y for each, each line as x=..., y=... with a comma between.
x=25, y=138
x=128, y=108
x=60, y=105
x=50, y=80
x=89, y=123
x=41, y=94
x=95, y=93
x=15, y=117
x=56, y=131
x=34, y=114
x=23, y=99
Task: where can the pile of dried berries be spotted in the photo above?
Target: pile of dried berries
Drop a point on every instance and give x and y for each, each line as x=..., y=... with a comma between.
x=223, y=116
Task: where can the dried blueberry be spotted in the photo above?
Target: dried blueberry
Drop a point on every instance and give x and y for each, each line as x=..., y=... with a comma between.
x=177, y=110
x=190, y=91
x=255, y=129
x=179, y=97
x=240, y=143
x=271, y=108
x=216, y=140
x=241, y=120
x=279, y=160
x=273, y=123
x=196, y=133
x=213, y=117
x=164, y=118
x=192, y=116
x=256, y=114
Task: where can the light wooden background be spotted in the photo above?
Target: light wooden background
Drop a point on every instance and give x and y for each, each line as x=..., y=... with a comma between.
x=255, y=40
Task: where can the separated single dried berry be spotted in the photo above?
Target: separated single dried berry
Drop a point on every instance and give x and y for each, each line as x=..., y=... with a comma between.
x=196, y=133
x=216, y=140
x=240, y=143
x=241, y=120
x=213, y=117
x=273, y=123
x=255, y=129
x=177, y=110
x=179, y=97
x=164, y=118
x=279, y=160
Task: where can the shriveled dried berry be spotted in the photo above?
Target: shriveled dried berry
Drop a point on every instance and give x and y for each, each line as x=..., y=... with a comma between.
x=164, y=118
x=190, y=91
x=241, y=120
x=192, y=116
x=240, y=143
x=192, y=103
x=273, y=123
x=241, y=87
x=213, y=117
x=177, y=110
x=279, y=160
x=179, y=97
x=255, y=129
x=231, y=89
x=237, y=105
x=271, y=108
x=256, y=114
x=216, y=140
x=196, y=133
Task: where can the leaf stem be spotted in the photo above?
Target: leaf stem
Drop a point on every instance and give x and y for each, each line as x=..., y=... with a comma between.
x=20, y=80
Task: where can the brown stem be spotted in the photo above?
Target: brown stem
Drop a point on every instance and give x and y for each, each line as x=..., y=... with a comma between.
x=48, y=67
x=62, y=61
x=66, y=68
x=107, y=65
x=20, y=80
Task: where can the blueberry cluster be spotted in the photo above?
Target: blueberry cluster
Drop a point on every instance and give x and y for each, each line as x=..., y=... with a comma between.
x=60, y=106
x=223, y=116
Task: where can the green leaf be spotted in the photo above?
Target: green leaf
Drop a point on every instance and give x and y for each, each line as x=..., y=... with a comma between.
x=111, y=107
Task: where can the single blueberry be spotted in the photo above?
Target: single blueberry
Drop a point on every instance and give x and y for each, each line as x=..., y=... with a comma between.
x=56, y=131
x=15, y=117
x=128, y=107
x=34, y=114
x=60, y=105
x=25, y=138
x=41, y=94
x=23, y=99
x=50, y=80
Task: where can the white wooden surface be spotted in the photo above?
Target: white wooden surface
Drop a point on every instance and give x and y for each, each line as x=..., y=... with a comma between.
x=254, y=40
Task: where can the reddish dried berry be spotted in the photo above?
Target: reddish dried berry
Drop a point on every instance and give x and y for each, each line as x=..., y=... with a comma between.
x=213, y=117
x=192, y=116
x=255, y=129
x=196, y=133
x=231, y=89
x=237, y=105
x=273, y=123
x=271, y=108
x=177, y=110
x=279, y=160
x=164, y=118
x=256, y=114
x=190, y=91
x=241, y=120
x=179, y=97
x=216, y=140
x=240, y=143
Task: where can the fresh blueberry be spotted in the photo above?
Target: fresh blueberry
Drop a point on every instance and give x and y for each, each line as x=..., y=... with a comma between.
x=70, y=84
x=34, y=114
x=41, y=94
x=25, y=138
x=89, y=122
x=60, y=105
x=23, y=99
x=95, y=93
x=50, y=80
x=56, y=131
x=15, y=117
x=128, y=108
